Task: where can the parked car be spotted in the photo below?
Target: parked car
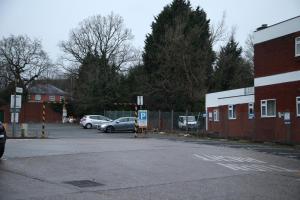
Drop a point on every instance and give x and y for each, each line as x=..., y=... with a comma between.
x=91, y=121
x=189, y=122
x=121, y=124
x=2, y=139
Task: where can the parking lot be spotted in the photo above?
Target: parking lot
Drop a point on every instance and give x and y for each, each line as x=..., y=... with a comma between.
x=76, y=163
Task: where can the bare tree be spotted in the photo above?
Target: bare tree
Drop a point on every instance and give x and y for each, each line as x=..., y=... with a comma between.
x=102, y=36
x=219, y=31
x=22, y=60
x=249, y=49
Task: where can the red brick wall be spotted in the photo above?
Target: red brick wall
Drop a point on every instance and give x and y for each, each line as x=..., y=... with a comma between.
x=241, y=127
x=276, y=56
x=32, y=113
x=274, y=129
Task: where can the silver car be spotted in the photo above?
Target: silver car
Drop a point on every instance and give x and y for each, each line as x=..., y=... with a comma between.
x=91, y=121
x=121, y=124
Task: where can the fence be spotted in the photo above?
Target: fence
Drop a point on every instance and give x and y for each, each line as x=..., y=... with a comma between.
x=163, y=121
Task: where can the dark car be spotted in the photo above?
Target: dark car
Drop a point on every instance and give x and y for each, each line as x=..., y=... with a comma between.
x=2, y=139
x=121, y=124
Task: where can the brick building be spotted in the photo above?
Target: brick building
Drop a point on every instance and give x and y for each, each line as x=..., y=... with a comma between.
x=31, y=111
x=276, y=96
x=46, y=93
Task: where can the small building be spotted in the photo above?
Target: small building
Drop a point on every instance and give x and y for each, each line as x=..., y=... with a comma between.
x=32, y=110
x=231, y=113
x=46, y=93
x=276, y=90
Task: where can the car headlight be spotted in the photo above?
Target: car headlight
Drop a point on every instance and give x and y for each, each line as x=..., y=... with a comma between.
x=103, y=125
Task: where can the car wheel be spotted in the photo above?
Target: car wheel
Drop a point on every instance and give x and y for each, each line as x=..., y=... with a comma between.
x=109, y=129
x=88, y=126
x=2, y=147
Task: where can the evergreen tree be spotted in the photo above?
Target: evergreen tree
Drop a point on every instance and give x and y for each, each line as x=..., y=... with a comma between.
x=178, y=58
x=97, y=86
x=232, y=71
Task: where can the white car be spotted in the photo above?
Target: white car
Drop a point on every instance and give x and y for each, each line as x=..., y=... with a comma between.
x=188, y=122
x=91, y=121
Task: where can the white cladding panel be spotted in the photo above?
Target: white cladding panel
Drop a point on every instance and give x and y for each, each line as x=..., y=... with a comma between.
x=237, y=96
x=277, y=30
x=278, y=78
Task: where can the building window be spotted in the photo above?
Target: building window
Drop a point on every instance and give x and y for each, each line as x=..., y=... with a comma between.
x=268, y=108
x=231, y=111
x=51, y=98
x=298, y=106
x=216, y=115
x=61, y=98
x=29, y=97
x=297, y=46
x=38, y=97
x=210, y=117
x=251, y=110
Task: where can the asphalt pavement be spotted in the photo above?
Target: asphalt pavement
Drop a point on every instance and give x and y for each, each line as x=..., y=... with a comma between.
x=76, y=163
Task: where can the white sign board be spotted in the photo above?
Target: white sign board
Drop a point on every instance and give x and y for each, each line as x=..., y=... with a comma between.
x=287, y=116
x=18, y=101
x=140, y=100
x=65, y=112
x=143, y=118
x=16, y=116
x=19, y=90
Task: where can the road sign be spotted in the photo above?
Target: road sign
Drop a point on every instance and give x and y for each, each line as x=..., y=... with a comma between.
x=19, y=90
x=18, y=101
x=16, y=116
x=140, y=100
x=142, y=118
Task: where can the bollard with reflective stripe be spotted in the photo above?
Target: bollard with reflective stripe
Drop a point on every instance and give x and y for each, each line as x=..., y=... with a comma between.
x=44, y=119
x=136, y=121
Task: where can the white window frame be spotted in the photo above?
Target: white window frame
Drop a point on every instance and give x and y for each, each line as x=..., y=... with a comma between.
x=37, y=97
x=297, y=42
x=297, y=103
x=232, y=111
x=61, y=98
x=51, y=98
x=265, y=101
x=251, y=106
x=29, y=97
x=216, y=115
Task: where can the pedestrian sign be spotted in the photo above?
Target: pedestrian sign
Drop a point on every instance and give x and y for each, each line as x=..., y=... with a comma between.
x=142, y=118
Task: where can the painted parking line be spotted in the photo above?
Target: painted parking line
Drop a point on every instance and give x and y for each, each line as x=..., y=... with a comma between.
x=206, y=157
x=242, y=163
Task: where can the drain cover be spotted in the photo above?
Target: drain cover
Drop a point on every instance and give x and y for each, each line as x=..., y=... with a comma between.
x=84, y=183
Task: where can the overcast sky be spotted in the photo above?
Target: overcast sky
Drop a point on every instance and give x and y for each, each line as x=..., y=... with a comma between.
x=52, y=20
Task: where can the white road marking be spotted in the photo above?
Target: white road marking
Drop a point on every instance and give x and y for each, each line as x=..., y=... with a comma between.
x=242, y=163
x=214, y=158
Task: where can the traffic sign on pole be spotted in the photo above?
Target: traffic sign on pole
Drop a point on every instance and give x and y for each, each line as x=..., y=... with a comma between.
x=19, y=90
x=140, y=100
x=143, y=118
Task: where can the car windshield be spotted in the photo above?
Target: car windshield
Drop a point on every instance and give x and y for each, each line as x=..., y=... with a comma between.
x=189, y=118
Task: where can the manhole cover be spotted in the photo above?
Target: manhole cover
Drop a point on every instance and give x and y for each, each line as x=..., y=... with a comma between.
x=84, y=183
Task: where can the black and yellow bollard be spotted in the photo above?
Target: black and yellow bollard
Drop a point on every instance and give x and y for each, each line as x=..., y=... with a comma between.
x=136, y=126
x=44, y=119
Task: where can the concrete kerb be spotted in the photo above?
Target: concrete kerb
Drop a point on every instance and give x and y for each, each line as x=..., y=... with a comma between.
x=205, y=136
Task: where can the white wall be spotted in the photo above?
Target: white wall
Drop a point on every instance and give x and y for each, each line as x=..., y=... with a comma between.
x=277, y=79
x=277, y=30
x=237, y=96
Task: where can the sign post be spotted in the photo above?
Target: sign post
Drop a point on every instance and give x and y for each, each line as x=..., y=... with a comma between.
x=15, y=105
